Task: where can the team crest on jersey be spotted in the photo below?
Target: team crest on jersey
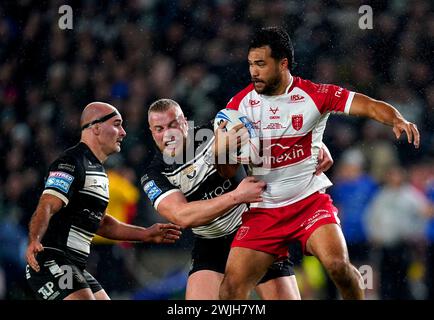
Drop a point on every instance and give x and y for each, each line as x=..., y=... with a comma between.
x=190, y=171
x=297, y=121
x=242, y=232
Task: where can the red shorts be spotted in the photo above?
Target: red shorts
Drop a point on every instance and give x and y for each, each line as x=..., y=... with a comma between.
x=270, y=230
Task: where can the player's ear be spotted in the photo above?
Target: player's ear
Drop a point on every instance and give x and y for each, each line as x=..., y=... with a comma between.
x=284, y=64
x=96, y=129
x=186, y=124
x=184, y=119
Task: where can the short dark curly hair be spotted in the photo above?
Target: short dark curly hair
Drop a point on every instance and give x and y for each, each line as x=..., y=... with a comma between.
x=279, y=42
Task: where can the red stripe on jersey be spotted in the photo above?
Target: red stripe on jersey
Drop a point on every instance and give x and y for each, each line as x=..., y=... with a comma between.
x=284, y=151
x=234, y=103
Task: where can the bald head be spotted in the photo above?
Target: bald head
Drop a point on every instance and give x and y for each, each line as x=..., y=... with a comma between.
x=101, y=129
x=94, y=111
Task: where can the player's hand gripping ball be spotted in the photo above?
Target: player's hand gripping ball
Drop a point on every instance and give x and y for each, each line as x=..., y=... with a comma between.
x=248, y=153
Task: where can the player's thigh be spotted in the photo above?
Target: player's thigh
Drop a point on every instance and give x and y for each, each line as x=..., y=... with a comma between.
x=94, y=292
x=327, y=243
x=82, y=294
x=97, y=290
x=101, y=295
x=282, y=288
x=203, y=285
x=209, y=258
x=246, y=266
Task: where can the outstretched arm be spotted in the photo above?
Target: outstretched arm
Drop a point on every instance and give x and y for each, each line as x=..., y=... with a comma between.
x=383, y=112
x=47, y=206
x=114, y=229
x=176, y=209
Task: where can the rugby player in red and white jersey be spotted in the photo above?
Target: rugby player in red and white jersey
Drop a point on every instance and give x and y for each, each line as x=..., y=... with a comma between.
x=290, y=114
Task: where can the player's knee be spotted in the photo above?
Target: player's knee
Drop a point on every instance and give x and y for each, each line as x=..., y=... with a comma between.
x=339, y=268
x=227, y=289
x=231, y=289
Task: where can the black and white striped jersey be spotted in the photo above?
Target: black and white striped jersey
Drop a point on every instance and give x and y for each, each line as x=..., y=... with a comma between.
x=78, y=178
x=197, y=181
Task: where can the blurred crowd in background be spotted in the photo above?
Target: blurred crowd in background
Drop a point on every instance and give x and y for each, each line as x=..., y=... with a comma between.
x=129, y=53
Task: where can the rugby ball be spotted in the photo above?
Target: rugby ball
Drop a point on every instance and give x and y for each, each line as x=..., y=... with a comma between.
x=248, y=153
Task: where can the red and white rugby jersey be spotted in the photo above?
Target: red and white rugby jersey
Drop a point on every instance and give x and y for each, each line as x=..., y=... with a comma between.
x=291, y=127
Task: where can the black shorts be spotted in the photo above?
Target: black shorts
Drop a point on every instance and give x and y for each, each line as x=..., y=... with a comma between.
x=212, y=254
x=58, y=277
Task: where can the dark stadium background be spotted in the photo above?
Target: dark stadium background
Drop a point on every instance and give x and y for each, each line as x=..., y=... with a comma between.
x=129, y=53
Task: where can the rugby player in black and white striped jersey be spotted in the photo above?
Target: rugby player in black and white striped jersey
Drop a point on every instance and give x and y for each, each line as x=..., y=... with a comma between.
x=71, y=210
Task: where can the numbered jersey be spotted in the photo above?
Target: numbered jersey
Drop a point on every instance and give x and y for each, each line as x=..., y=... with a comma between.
x=291, y=127
x=78, y=178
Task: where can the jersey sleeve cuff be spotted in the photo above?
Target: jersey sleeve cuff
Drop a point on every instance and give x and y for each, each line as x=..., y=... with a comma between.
x=164, y=195
x=349, y=101
x=57, y=194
